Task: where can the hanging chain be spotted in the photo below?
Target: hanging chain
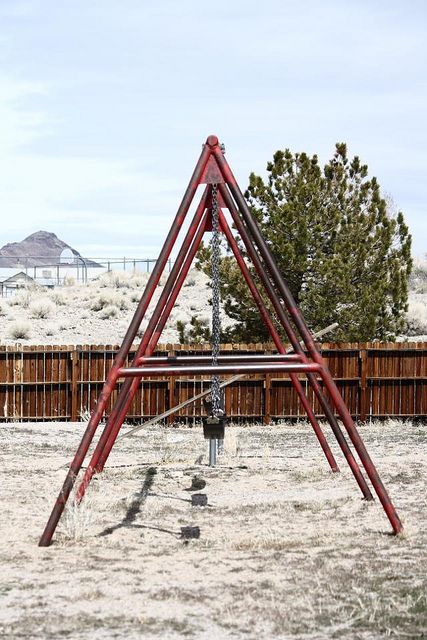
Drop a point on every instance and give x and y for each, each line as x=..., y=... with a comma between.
x=216, y=319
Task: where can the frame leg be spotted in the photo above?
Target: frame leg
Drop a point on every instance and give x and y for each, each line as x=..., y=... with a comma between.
x=129, y=388
x=247, y=240
x=121, y=355
x=276, y=339
x=98, y=461
x=311, y=347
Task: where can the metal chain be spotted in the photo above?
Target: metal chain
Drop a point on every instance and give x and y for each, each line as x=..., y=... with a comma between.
x=216, y=319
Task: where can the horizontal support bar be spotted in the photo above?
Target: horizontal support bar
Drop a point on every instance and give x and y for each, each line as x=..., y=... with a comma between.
x=221, y=358
x=266, y=367
x=406, y=381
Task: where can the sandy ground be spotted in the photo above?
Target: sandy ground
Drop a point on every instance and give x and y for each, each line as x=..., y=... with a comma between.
x=287, y=549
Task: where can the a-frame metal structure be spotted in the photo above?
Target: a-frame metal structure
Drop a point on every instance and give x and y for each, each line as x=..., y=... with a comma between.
x=212, y=169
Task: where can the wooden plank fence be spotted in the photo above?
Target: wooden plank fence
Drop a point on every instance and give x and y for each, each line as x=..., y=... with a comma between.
x=63, y=383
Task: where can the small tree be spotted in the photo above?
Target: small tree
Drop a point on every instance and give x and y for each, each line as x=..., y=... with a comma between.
x=194, y=331
x=345, y=256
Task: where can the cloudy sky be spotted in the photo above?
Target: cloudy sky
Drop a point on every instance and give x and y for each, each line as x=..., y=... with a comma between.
x=104, y=105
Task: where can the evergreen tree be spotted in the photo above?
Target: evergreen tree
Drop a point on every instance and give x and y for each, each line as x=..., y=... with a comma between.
x=345, y=256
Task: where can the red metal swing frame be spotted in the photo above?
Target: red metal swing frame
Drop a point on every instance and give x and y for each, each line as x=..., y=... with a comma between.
x=212, y=168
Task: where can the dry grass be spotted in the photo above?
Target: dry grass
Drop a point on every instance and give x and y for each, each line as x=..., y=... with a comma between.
x=20, y=330
x=41, y=308
x=287, y=549
x=81, y=311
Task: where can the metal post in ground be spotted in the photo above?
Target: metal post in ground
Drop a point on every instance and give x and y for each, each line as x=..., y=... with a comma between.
x=212, y=451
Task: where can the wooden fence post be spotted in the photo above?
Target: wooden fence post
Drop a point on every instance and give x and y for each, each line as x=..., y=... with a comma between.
x=171, y=391
x=75, y=364
x=267, y=398
x=362, y=385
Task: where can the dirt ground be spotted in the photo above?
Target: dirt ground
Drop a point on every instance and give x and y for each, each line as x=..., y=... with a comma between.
x=286, y=549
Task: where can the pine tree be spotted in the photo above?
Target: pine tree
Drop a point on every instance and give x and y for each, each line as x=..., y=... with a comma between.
x=344, y=254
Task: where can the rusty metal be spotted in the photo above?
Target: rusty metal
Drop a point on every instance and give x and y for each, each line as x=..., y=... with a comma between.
x=278, y=343
x=203, y=394
x=274, y=298
x=120, y=358
x=212, y=168
x=305, y=334
x=221, y=369
x=275, y=357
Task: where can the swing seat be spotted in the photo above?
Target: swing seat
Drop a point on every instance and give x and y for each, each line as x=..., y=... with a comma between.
x=214, y=427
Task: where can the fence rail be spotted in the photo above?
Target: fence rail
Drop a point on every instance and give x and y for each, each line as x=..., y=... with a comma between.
x=63, y=383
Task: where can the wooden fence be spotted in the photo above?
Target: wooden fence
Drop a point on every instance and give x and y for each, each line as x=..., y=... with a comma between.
x=63, y=383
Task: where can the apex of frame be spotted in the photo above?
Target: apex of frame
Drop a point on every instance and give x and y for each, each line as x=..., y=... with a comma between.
x=212, y=141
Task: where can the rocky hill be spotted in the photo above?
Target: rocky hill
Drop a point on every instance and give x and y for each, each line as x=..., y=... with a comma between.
x=39, y=248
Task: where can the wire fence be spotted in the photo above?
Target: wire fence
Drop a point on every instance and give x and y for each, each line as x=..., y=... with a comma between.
x=37, y=269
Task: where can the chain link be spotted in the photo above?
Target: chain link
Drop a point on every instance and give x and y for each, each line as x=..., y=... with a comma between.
x=216, y=318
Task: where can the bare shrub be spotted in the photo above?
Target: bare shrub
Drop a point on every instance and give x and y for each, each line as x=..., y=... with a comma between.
x=416, y=318
x=190, y=281
x=42, y=308
x=58, y=298
x=51, y=330
x=69, y=281
x=78, y=518
x=139, y=280
x=116, y=280
x=111, y=311
x=19, y=331
x=107, y=299
x=2, y=311
x=21, y=299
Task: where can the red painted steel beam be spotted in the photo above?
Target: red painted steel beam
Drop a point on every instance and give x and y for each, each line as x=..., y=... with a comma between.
x=247, y=240
x=290, y=357
x=178, y=274
x=220, y=369
x=277, y=341
x=155, y=337
x=121, y=355
x=127, y=393
x=309, y=342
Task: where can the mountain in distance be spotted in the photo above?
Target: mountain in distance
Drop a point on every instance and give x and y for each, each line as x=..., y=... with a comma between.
x=38, y=249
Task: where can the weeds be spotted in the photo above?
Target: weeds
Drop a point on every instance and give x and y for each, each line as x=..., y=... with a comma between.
x=109, y=299
x=20, y=331
x=77, y=519
x=21, y=299
x=111, y=311
x=41, y=309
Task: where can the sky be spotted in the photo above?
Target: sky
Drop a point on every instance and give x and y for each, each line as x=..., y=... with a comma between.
x=104, y=105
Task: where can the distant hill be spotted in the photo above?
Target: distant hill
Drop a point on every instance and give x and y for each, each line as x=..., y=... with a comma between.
x=40, y=248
